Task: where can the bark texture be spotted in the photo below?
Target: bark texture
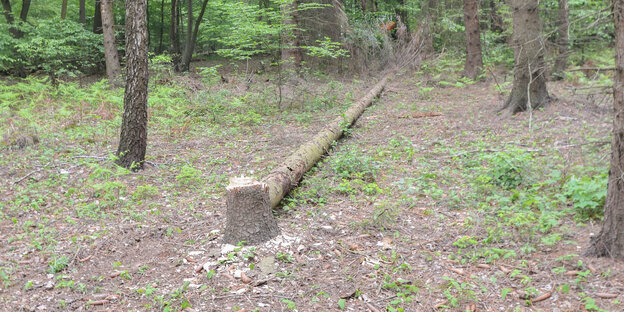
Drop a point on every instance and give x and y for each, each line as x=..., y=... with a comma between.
x=563, y=35
x=82, y=12
x=429, y=21
x=249, y=214
x=286, y=176
x=25, y=10
x=133, y=138
x=191, y=37
x=610, y=240
x=529, y=85
x=97, y=18
x=113, y=68
x=175, y=37
x=291, y=53
x=474, y=59
x=64, y=9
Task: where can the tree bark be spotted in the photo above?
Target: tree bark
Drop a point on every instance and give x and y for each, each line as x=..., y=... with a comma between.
x=162, y=26
x=25, y=10
x=64, y=9
x=8, y=15
x=563, y=35
x=97, y=18
x=133, y=138
x=474, y=59
x=249, y=215
x=113, y=68
x=429, y=20
x=610, y=240
x=83, y=12
x=529, y=86
x=175, y=36
x=249, y=201
x=191, y=37
x=291, y=53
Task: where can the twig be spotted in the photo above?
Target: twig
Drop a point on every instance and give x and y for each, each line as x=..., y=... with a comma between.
x=31, y=173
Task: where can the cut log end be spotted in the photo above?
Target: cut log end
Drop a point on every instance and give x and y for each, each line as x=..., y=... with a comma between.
x=249, y=215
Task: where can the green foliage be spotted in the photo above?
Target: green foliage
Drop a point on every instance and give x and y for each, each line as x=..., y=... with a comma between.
x=58, y=263
x=189, y=177
x=588, y=195
x=351, y=164
x=327, y=48
x=508, y=169
x=54, y=46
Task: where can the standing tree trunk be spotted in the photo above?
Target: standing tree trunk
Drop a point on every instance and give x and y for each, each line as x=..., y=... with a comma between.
x=162, y=26
x=496, y=21
x=429, y=20
x=529, y=84
x=133, y=138
x=563, y=36
x=25, y=9
x=97, y=18
x=175, y=34
x=113, y=68
x=474, y=59
x=291, y=53
x=191, y=37
x=610, y=240
x=83, y=12
x=64, y=9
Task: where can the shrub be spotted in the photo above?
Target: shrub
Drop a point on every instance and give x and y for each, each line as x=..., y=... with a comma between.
x=588, y=195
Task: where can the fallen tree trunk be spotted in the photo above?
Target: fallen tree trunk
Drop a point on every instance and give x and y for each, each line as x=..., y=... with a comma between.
x=284, y=178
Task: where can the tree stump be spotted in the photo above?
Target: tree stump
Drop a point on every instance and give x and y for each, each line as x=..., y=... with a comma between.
x=249, y=214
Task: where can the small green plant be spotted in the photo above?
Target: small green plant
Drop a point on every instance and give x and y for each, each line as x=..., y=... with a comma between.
x=58, y=263
x=350, y=164
x=189, y=177
x=588, y=195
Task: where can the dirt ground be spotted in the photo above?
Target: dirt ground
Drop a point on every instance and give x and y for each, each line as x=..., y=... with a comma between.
x=383, y=246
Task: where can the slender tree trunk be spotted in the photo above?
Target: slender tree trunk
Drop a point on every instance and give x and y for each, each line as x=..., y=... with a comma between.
x=175, y=36
x=133, y=138
x=429, y=21
x=496, y=21
x=162, y=26
x=97, y=18
x=403, y=14
x=610, y=240
x=291, y=51
x=563, y=35
x=529, y=86
x=149, y=33
x=64, y=9
x=191, y=37
x=8, y=15
x=83, y=12
x=113, y=68
x=474, y=59
x=25, y=10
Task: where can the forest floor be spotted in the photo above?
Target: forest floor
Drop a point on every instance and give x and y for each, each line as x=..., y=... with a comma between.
x=432, y=202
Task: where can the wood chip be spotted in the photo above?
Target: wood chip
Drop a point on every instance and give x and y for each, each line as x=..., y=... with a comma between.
x=505, y=269
x=606, y=295
x=420, y=115
x=483, y=266
x=572, y=273
x=542, y=297
x=115, y=274
x=592, y=268
x=191, y=260
x=199, y=268
x=458, y=271
x=97, y=302
x=471, y=308
x=86, y=258
x=228, y=276
x=111, y=297
x=372, y=308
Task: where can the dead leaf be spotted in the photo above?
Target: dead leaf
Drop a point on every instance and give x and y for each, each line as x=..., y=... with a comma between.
x=420, y=115
x=572, y=273
x=372, y=308
x=439, y=305
x=115, y=274
x=483, y=266
x=191, y=260
x=245, y=279
x=505, y=269
x=458, y=271
x=471, y=308
x=542, y=297
x=606, y=295
x=592, y=268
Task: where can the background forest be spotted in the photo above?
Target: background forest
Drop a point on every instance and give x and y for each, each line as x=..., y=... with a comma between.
x=476, y=181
